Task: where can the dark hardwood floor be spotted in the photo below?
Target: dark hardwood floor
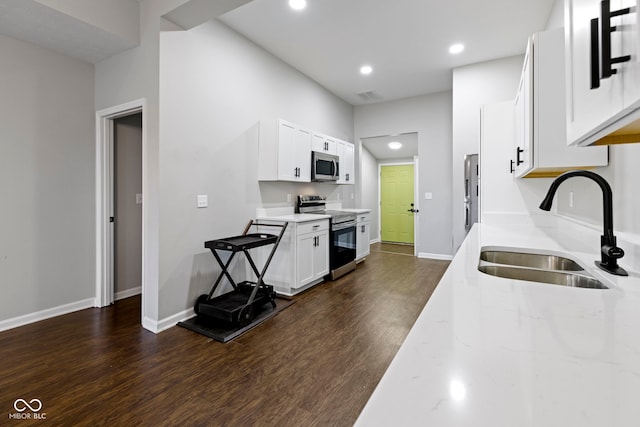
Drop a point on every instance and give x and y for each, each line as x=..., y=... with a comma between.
x=314, y=364
x=394, y=248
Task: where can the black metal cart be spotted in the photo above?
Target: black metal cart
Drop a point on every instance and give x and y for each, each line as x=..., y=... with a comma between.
x=240, y=305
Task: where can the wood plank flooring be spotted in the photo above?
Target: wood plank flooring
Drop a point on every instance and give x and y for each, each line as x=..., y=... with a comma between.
x=314, y=364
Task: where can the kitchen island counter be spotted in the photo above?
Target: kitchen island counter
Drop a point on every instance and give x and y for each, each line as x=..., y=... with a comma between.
x=489, y=351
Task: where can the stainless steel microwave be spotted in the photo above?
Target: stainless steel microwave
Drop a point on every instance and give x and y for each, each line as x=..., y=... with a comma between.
x=324, y=167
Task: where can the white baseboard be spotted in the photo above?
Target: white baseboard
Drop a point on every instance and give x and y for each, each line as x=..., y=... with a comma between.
x=374, y=241
x=435, y=256
x=127, y=293
x=168, y=322
x=46, y=314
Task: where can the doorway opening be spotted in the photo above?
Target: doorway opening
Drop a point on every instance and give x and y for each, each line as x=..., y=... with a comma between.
x=127, y=206
x=120, y=172
x=389, y=166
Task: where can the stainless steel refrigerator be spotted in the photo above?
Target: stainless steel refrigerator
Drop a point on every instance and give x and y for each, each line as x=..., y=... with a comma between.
x=471, y=190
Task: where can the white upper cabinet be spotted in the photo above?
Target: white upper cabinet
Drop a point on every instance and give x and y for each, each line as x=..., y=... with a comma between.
x=540, y=140
x=346, y=155
x=602, y=71
x=324, y=144
x=284, y=152
x=524, y=117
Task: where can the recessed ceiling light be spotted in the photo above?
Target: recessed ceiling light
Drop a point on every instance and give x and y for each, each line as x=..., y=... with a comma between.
x=298, y=4
x=456, y=48
x=366, y=69
x=395, y=145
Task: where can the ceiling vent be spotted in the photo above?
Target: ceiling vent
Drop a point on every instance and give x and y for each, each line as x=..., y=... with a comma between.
x=369, y=96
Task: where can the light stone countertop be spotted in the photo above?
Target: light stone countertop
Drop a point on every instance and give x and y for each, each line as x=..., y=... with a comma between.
x=294, y=217
x=489, y=351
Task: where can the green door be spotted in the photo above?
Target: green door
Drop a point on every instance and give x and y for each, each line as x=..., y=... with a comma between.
x=396, y=199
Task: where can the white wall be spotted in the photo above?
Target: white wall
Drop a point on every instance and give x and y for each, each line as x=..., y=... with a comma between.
x=473, y=86
x=47, y=242
x=129, y=76
x=215, y=86
x=430, y=117
x=368, y=189
x=504, y=198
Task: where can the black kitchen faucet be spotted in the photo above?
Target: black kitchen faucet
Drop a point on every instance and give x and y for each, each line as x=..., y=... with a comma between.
x=609, y=251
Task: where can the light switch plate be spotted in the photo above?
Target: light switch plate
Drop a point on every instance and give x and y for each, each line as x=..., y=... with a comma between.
x=428, y=196
x=203, y=200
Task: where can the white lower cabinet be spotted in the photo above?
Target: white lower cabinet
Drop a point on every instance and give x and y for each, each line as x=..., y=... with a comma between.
x=302, y=257
x=362, y=236
x=312, y=257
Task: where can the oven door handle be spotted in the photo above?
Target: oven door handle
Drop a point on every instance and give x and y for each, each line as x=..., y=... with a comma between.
x=342, y=226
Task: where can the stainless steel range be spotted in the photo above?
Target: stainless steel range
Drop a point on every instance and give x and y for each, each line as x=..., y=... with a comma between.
x=342, y=234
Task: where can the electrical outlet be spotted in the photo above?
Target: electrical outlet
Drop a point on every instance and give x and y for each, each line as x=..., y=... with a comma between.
x=203, y=201
x=428, y=196
x=138, y=198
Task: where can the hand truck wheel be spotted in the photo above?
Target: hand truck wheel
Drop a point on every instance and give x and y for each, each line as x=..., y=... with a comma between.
x=246, y=315
x=201, y=298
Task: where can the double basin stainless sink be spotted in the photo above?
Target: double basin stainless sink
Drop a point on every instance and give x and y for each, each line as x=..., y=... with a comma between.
x=522, y=264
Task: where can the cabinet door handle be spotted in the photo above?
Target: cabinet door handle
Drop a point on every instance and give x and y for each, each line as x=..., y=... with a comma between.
x=511, y=168
x=601, y=60
x=595, y=55
x=518, y=160
x=607, y=61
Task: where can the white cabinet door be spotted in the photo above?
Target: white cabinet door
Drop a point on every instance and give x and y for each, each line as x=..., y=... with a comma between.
x=589, y=109
x=630, y=45
x=524, y=117
x=294, y=153
x=302, y=150
x=286, y=154
x=305, y=257
x=321, y=255
x=312, y=257
x=323, y=144
x=346, y=155
x=362, y=240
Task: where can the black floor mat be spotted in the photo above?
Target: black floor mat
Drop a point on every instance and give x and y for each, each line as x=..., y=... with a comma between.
x=225, y=331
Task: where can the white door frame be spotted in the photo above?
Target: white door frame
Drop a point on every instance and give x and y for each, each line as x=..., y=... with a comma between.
x=416, y=200
x=104, y=199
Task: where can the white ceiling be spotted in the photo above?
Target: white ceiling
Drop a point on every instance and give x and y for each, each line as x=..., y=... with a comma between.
x=406, y=41
x=36, y=23
x=379, y=148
